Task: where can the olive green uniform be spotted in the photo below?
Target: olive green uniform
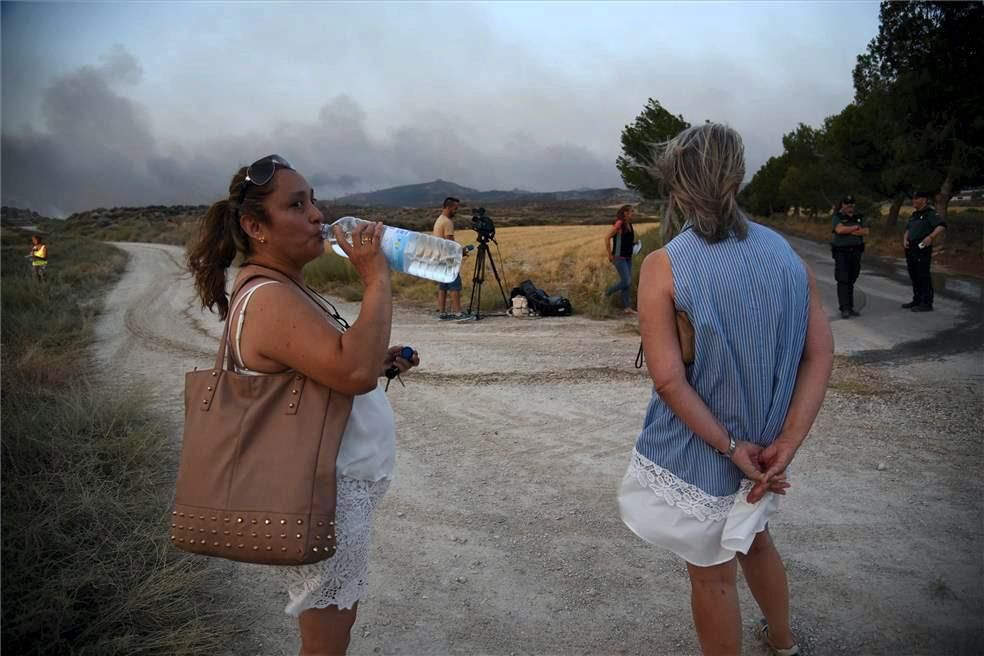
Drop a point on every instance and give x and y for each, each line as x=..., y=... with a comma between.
x=921, y=224
x=846, y=250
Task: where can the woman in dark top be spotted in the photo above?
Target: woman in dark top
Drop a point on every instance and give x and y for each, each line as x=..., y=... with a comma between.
x=618, y=243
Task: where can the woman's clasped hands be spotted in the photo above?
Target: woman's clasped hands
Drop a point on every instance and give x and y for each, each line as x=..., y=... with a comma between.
x=764, y=465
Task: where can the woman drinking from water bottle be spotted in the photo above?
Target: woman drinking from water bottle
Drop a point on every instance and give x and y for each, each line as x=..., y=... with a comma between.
x=269, y=219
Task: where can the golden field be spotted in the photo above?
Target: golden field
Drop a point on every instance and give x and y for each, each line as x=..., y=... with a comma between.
x=562, y=260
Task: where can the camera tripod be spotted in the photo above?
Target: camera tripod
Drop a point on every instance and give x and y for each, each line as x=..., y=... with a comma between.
x=483, y=255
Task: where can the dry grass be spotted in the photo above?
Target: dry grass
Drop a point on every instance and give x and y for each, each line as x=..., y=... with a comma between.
x=961, y=249
x=566, y=260
x=87, y=475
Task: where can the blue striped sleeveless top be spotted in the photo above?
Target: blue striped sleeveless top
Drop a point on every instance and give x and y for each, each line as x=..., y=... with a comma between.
x=748, y=302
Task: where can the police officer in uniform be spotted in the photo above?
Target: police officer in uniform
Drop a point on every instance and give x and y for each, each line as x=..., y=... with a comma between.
x=847, y=245
x=924, y=226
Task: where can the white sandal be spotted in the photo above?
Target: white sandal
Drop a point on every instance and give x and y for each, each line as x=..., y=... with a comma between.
x=762, y=633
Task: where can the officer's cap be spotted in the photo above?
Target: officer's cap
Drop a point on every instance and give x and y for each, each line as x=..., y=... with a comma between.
x=847, y=200
x=921, y=194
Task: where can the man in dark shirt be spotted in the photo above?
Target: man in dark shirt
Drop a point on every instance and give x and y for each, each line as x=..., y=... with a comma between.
x=924, y=227
x=847, y=245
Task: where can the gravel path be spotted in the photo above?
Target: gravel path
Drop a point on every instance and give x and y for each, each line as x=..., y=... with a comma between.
x=500, y=534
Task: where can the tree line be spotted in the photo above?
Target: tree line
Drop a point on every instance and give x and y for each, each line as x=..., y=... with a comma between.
x=916, y=122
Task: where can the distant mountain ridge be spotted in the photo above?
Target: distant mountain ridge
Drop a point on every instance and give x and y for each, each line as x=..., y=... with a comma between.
x=432, y=194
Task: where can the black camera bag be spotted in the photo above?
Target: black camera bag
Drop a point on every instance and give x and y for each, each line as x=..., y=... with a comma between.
x=541, y=302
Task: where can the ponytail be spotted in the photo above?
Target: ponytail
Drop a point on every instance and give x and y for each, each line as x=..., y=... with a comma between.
x=212, y=253
x=221, y=238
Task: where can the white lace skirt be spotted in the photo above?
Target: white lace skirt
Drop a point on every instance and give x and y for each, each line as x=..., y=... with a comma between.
x=343, y=579
x=702, y=529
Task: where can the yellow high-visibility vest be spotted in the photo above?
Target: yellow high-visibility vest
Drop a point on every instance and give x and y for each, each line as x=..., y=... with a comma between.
x=39, y=251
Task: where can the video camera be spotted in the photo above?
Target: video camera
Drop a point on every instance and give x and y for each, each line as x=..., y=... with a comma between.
x=482, y=224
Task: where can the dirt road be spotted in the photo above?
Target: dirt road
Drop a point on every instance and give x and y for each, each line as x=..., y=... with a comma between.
x=500, y=534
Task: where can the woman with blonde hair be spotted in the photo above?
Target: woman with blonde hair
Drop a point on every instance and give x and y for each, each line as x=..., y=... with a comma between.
x=719, y=433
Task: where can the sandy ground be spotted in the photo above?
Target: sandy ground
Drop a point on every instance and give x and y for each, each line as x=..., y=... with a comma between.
x=500, y=534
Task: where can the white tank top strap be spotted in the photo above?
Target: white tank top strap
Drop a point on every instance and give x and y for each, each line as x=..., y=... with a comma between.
x=242, y=303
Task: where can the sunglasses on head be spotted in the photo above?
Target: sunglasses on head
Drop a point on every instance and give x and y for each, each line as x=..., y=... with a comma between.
x=261, y=172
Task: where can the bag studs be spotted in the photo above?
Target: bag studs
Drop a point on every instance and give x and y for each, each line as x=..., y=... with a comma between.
x=266, y=521
x=239, y=520
x=209, y=388
x=174, y=537
x=283, y=521
x=269, y=548
x=293, y=391
x=298, y=536
x=300, y=521
x=314, y=549
x=290, y=405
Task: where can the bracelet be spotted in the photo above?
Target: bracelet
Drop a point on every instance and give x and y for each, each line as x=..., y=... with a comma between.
x=732, y=445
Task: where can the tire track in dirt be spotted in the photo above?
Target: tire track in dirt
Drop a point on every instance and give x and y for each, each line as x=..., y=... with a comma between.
x=576, y=376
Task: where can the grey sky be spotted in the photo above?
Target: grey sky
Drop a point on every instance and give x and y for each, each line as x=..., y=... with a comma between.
x=113, y=104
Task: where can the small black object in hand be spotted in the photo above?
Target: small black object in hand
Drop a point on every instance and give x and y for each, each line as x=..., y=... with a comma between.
x=394, y=372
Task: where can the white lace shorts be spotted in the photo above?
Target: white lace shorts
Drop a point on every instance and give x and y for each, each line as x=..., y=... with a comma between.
x=343, y=579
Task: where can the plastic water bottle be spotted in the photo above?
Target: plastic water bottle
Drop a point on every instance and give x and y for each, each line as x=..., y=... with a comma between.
x=416, y=253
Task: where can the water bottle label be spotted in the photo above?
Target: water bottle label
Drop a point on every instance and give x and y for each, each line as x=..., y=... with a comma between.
x=395, y=241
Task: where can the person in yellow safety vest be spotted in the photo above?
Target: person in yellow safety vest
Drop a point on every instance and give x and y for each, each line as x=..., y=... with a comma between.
x=39, y=257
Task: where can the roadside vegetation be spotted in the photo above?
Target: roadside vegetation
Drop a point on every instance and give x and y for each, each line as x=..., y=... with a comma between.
x=87, y=477
x=961, y=250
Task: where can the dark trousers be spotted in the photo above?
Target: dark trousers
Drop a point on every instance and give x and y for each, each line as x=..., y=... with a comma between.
x=847, y=268
x=918, y=261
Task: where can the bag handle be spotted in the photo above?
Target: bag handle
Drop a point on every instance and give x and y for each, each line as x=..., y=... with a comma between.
x=279, y=276
x=220, y=357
